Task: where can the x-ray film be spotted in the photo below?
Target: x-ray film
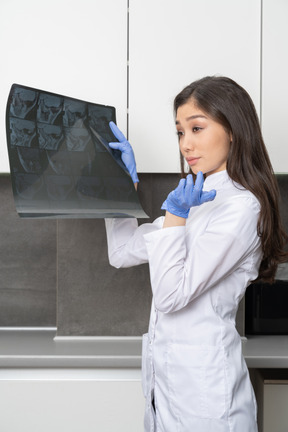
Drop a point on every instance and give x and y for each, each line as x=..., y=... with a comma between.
x=60, y=161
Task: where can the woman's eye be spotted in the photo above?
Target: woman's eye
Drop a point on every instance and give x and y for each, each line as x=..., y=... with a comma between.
x=196, y=129
x=179, y=134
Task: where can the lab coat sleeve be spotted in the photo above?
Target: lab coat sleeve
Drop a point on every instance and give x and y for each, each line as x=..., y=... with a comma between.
x=125, y=239
x=181, y=271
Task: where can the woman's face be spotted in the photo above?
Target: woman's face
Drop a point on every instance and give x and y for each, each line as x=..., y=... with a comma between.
x=203, y=142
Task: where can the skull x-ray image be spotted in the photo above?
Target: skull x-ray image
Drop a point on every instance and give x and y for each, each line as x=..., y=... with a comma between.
x=60, y=161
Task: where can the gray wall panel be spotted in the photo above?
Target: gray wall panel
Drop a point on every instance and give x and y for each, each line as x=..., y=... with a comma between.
x=27, y=266
x=92, y=297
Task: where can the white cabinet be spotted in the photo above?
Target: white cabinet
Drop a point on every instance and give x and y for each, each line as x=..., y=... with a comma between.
x=75, y=48
x=274, y=82
x=272, y=399
x=170, y=45
x=71, y=400
x=275, y=417
x=79, y=49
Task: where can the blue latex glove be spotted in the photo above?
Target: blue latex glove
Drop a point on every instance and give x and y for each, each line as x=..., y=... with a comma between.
x=187, y=195
x=127, y=154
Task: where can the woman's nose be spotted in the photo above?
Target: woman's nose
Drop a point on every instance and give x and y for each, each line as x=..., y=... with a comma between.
x=187, y=143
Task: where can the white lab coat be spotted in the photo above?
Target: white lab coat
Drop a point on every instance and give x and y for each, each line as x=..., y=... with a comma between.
x=192, y=363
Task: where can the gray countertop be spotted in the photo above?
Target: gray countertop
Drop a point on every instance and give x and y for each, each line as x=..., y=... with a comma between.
x=40, y=349
x=266, y=351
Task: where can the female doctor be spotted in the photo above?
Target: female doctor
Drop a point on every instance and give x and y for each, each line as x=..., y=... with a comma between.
x=221, y=231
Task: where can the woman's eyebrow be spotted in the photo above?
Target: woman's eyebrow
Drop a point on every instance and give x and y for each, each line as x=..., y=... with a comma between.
x=192, y=117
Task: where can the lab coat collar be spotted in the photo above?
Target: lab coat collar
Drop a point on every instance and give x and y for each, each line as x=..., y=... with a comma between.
x=216, y=181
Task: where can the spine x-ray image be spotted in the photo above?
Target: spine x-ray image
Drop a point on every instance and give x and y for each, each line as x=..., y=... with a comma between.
x=60, y=162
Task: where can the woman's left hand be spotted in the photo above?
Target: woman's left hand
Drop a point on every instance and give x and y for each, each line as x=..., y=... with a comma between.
x=127, y=154
x=187, y=195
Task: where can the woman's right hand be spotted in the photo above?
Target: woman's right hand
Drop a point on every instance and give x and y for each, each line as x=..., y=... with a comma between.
x=127, y=154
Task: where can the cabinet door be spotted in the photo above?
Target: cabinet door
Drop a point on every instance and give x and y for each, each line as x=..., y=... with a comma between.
x=75, y=48
x=170, y=45
x=275, y=402
x=274, y=81
x=71, y=406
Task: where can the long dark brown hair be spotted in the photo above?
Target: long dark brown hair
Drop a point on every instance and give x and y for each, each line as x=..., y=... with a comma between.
x=248, y=162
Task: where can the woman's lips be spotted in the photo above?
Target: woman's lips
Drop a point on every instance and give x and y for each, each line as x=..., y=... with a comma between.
x=192, y=161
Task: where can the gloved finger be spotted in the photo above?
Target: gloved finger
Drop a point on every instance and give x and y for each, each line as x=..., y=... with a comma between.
x=164, y=205
x=189, y=185
x=116, y=145
x=124, y=147
x=178, y=192
x=181, y=184
x=197, y=191
x=116, y=131
x=199, y=181
x=208, y=196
